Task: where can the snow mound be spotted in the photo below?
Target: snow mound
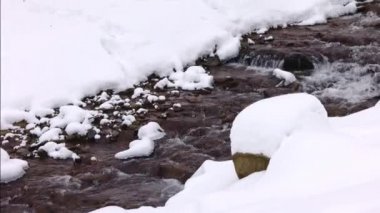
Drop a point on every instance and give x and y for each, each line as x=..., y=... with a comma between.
x=11, y=169
x=145, y=145
x=263, y=126
x=58, y=151
x=56, y=52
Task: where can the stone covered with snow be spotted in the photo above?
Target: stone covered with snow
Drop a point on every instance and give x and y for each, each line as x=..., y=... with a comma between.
x=286, y=78
x=58, y=151
x=262, y=127
x=11, y=169
x=145, y=145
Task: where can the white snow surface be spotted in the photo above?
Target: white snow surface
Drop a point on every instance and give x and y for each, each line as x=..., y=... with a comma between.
x=56, y=52
x=145, y=145
x=11, y=169
x=263, y=126
x=331, y=168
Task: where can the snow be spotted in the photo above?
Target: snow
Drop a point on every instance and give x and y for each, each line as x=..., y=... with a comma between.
x=106, y=105
x=250, y=41
x=194, y=78
x=327, y=168
x=69, y=114
x=138, y=92
x=145, y=145
x=76, y=128
x=128, y=120
x=58, y=151
x=56, y=52
x=137, y=148
x=286, y=78
x=50, y=135
x=263, y=126
x=11, y=169
x=151, y=130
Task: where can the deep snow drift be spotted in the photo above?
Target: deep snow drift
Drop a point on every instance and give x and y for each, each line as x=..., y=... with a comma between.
x=332, y=167
x=56, y=52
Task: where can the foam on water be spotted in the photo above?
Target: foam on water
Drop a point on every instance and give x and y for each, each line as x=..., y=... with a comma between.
x=349, y=81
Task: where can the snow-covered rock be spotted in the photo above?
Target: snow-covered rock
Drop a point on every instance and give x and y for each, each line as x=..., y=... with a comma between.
x=52, y=134
x=58, y=151
x=286, y=78
x=145, y=145
x=11, y=169
x=194, y=78
x=263, y=126
x=69, y=114
x=151, y=130
x=128, y=120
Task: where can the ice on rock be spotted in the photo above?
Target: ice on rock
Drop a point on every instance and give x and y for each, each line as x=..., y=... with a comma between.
x=263, y=126
x=286, y=78
x=145, y=145
x=58, y=151
x=11, y=169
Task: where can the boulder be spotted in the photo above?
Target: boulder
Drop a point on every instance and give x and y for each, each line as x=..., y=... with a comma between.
x=246, y=164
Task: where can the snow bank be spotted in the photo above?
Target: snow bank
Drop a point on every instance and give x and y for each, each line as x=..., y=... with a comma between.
x=11, y=169
x=263, y=126
x=331, y=168
x=56, y=52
